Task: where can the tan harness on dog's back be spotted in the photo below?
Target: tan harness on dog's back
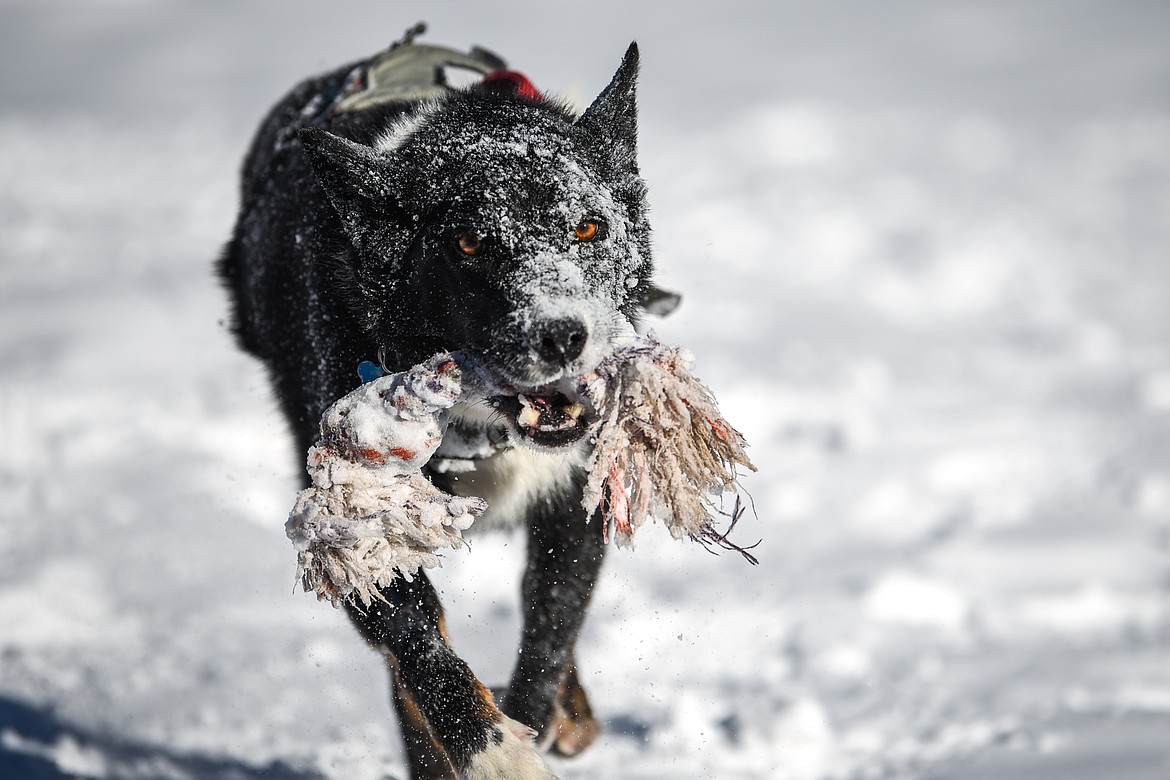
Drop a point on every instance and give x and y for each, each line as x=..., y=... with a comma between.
x=409, y=73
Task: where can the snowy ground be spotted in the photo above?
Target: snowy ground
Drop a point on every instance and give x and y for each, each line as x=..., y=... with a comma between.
x=924, y=258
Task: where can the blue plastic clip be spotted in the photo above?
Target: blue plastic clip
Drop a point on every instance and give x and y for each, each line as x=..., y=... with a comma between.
x=368, y=371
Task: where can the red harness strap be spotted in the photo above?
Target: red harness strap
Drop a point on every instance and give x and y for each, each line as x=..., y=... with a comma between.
x=514, y=81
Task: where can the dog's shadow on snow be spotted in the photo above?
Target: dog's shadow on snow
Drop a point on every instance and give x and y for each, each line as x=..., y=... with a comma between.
x=36, y=744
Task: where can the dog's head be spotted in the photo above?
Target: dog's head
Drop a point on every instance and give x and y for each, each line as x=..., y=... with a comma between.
x=501, y=226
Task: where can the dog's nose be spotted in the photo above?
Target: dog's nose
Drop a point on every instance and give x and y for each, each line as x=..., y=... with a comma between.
x=560, y=341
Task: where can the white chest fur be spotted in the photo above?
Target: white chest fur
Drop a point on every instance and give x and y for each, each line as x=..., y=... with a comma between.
x=513, y=482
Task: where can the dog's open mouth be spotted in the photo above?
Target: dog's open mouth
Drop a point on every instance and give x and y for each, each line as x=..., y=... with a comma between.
x=546, y=419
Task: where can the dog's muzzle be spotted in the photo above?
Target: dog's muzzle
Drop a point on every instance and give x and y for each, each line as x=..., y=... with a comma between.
x=550, y=413
x=561, y=341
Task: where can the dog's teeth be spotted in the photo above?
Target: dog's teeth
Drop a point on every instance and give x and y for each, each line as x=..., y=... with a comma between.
x=575, y=410
x=563, y=425
x=528, y=416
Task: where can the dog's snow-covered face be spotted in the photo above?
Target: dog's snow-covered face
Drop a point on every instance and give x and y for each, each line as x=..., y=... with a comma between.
x=507, y=229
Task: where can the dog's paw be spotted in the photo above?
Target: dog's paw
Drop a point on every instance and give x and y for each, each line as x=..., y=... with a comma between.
x=512, y=757
x=572, y=733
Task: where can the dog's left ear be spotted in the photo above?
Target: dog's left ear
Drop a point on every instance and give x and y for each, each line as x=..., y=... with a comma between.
x=613, y=117
x=658, y=301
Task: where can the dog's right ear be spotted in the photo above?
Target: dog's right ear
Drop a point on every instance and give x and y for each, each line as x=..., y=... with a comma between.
x=354, y=176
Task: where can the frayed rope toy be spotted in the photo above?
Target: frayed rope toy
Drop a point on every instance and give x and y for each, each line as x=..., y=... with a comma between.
x=661, y=449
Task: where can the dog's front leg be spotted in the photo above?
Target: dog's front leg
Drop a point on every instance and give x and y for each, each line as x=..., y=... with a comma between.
x=565, y=550
x=481, y=742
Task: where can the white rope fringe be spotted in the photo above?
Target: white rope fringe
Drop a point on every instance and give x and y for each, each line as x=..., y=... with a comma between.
x=663, y=449
x=370, y=515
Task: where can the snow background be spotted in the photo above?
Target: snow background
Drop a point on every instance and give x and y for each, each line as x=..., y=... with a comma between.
x=923, y=249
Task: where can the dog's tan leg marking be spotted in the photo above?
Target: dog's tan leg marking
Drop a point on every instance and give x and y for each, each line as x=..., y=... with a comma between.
x=425, y=757
x=573, y=727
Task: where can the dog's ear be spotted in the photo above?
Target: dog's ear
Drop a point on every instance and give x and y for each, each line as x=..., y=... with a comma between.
x=658, y=301
x=613, y=117
x=355, y=177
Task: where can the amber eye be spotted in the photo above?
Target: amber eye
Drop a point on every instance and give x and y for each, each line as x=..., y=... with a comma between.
x=588, y=230
x=469, y=243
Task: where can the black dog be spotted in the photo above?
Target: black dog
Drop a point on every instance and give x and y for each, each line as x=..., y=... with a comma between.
x=387, y=216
